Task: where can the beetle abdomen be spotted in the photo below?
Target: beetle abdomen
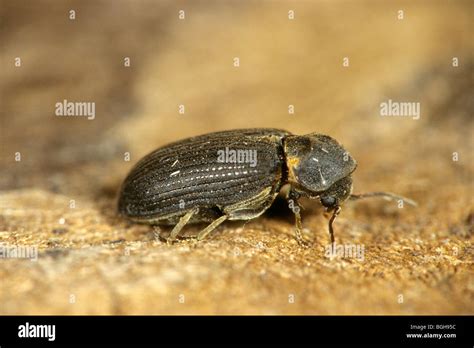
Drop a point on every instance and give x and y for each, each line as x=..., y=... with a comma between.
x=208, y=171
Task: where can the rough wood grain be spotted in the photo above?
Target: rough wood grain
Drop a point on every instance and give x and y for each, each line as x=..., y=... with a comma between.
x=416, y=261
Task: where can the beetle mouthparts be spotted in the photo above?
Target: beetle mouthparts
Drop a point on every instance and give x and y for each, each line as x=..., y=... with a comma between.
x=386, y=195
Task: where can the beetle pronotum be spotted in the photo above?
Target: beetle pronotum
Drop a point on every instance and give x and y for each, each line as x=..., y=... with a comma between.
x=195, y=179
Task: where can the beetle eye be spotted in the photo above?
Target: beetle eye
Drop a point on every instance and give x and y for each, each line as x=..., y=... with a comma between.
x=328, y=201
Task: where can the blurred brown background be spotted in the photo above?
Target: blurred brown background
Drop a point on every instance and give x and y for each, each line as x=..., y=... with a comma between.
x=97, y=263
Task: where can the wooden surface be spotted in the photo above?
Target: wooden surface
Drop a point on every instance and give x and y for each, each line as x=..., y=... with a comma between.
x=90, y=261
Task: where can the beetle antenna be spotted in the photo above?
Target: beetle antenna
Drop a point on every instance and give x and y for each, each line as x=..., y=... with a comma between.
x=385, y=195
x=331, y=220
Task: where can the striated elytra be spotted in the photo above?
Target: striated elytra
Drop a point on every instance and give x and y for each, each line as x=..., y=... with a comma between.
x=236, y=175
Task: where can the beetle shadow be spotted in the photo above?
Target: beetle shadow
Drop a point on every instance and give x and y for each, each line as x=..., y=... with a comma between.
x=279, y=210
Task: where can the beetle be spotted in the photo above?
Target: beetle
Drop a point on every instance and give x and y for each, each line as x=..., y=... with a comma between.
x=236, y=175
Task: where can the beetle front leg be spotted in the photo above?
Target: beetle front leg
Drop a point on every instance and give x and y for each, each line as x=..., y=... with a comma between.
x=335, y=213
x=294, y=205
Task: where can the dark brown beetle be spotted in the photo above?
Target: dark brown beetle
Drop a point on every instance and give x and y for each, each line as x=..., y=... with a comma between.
x=236, y=175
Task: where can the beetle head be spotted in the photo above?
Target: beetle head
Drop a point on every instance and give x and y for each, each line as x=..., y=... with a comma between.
x=334, y=196
x=317, y=165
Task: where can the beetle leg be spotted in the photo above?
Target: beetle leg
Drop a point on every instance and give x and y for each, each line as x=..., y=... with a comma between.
x=211, y=227
x=293, y=199
x=336, y=212
x=157, y=233
x=179, y=226
x=298, y=231
x=386, y=195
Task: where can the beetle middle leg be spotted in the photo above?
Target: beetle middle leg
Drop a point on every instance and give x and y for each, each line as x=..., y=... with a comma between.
x=212, y=226
x=292, y=199
x=179, y=226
